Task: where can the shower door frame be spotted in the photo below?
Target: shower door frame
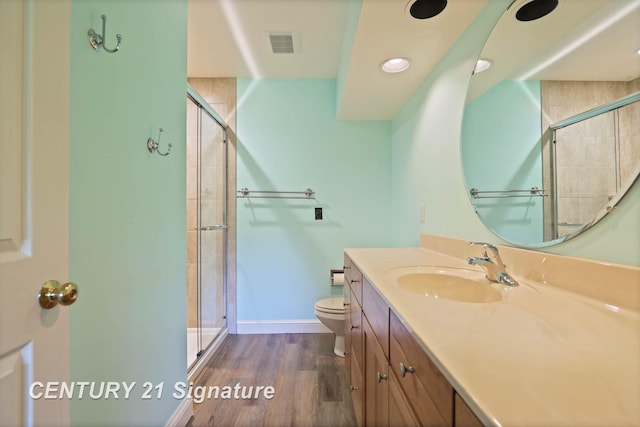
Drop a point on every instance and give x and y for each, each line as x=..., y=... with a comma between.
x=202, y=105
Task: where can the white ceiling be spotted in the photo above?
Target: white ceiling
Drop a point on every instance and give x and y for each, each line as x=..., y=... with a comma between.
x=384, y=31
x=229, y=38
x=582, y=40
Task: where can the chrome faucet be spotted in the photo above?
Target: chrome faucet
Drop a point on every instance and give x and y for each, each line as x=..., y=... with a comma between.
x=493, y=265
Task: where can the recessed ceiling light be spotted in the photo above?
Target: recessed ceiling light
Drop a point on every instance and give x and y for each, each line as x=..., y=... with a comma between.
x=424, y=9
x=482, y=64
x=531, y=10
x=395, y=65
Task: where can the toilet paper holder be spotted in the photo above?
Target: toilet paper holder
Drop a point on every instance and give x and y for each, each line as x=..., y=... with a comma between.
x=336, y=277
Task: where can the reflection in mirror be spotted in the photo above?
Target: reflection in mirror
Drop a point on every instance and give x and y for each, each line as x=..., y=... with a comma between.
x=593, y=157
x=532, y=185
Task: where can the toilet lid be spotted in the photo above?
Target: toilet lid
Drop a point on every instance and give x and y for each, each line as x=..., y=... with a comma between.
x=331, y=305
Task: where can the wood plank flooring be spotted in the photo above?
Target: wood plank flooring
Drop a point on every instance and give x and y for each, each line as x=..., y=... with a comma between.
x=309, y=383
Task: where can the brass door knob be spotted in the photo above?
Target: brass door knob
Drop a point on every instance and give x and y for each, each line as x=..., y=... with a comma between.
x=52, y=294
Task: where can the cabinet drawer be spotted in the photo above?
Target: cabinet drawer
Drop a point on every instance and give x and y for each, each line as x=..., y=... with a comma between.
x=377, y=312
x=355, y=329
x=346, y=292
x=353, y=278
x=427, y=390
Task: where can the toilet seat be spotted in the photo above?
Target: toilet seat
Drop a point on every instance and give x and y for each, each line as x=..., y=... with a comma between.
x=330, y=305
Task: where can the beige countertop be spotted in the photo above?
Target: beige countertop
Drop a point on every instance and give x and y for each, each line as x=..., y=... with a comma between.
x=541, y=356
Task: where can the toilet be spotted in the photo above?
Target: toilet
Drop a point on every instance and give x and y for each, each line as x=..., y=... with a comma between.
x=330, y=311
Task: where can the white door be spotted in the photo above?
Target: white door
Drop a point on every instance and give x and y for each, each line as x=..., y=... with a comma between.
x=34, y=135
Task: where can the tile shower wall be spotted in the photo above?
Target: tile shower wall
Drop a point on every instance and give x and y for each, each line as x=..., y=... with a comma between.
x=590, y=167
x=220, y=94
x=192, y=215
x=629, y=134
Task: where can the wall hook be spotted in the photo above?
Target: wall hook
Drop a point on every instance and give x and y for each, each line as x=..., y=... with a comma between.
x=97, y=40
x=153, y=145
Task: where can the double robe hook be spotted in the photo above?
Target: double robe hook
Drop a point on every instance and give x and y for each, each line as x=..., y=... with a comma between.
x=153, y=145
x=97, y=40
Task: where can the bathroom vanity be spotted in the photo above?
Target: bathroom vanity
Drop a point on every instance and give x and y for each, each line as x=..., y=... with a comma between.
x=430, y=341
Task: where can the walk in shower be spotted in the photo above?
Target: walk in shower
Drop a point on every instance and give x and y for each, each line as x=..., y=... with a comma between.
x=206, y=226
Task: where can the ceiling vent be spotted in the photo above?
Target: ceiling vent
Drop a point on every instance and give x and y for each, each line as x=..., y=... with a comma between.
x=284, y=42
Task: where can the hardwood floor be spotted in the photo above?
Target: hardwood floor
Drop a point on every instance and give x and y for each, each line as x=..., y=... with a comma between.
x=309, y=383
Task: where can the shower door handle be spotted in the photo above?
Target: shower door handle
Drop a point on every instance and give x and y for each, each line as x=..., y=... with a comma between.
x=213, y=227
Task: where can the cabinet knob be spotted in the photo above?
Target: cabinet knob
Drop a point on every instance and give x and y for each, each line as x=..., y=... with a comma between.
x=354, y=327
x=346, y=353
x=345, y=304
x=353, y=388
x=405, y=369
x=354, y=281
x=381, y=377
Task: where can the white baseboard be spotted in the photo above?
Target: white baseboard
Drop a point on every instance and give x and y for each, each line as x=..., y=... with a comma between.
x=182, y=415
x=281, y=327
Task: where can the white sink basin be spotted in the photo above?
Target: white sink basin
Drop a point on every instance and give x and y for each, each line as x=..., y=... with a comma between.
x=448, y=283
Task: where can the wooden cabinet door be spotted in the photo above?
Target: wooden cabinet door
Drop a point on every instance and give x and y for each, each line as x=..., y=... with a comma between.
x=357, y=390
x=376, y=380
x=355, y=329
x=428, y=391
x=463, y=417
x=400, y=412
x=347, y=327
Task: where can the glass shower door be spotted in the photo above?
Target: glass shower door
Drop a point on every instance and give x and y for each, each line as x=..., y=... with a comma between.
x=212, y=225
x=206, y=228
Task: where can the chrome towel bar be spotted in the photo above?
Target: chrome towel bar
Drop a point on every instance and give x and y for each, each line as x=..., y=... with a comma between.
x=246, y=193
x=503, y=194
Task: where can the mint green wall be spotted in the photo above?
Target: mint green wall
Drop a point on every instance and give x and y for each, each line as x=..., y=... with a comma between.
x=288, y=140
x=127, y=207
x=426, y=146
x=501, y=150
x=426, y=166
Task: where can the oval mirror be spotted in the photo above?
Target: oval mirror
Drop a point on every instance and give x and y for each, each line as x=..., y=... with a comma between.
x=551, y=130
